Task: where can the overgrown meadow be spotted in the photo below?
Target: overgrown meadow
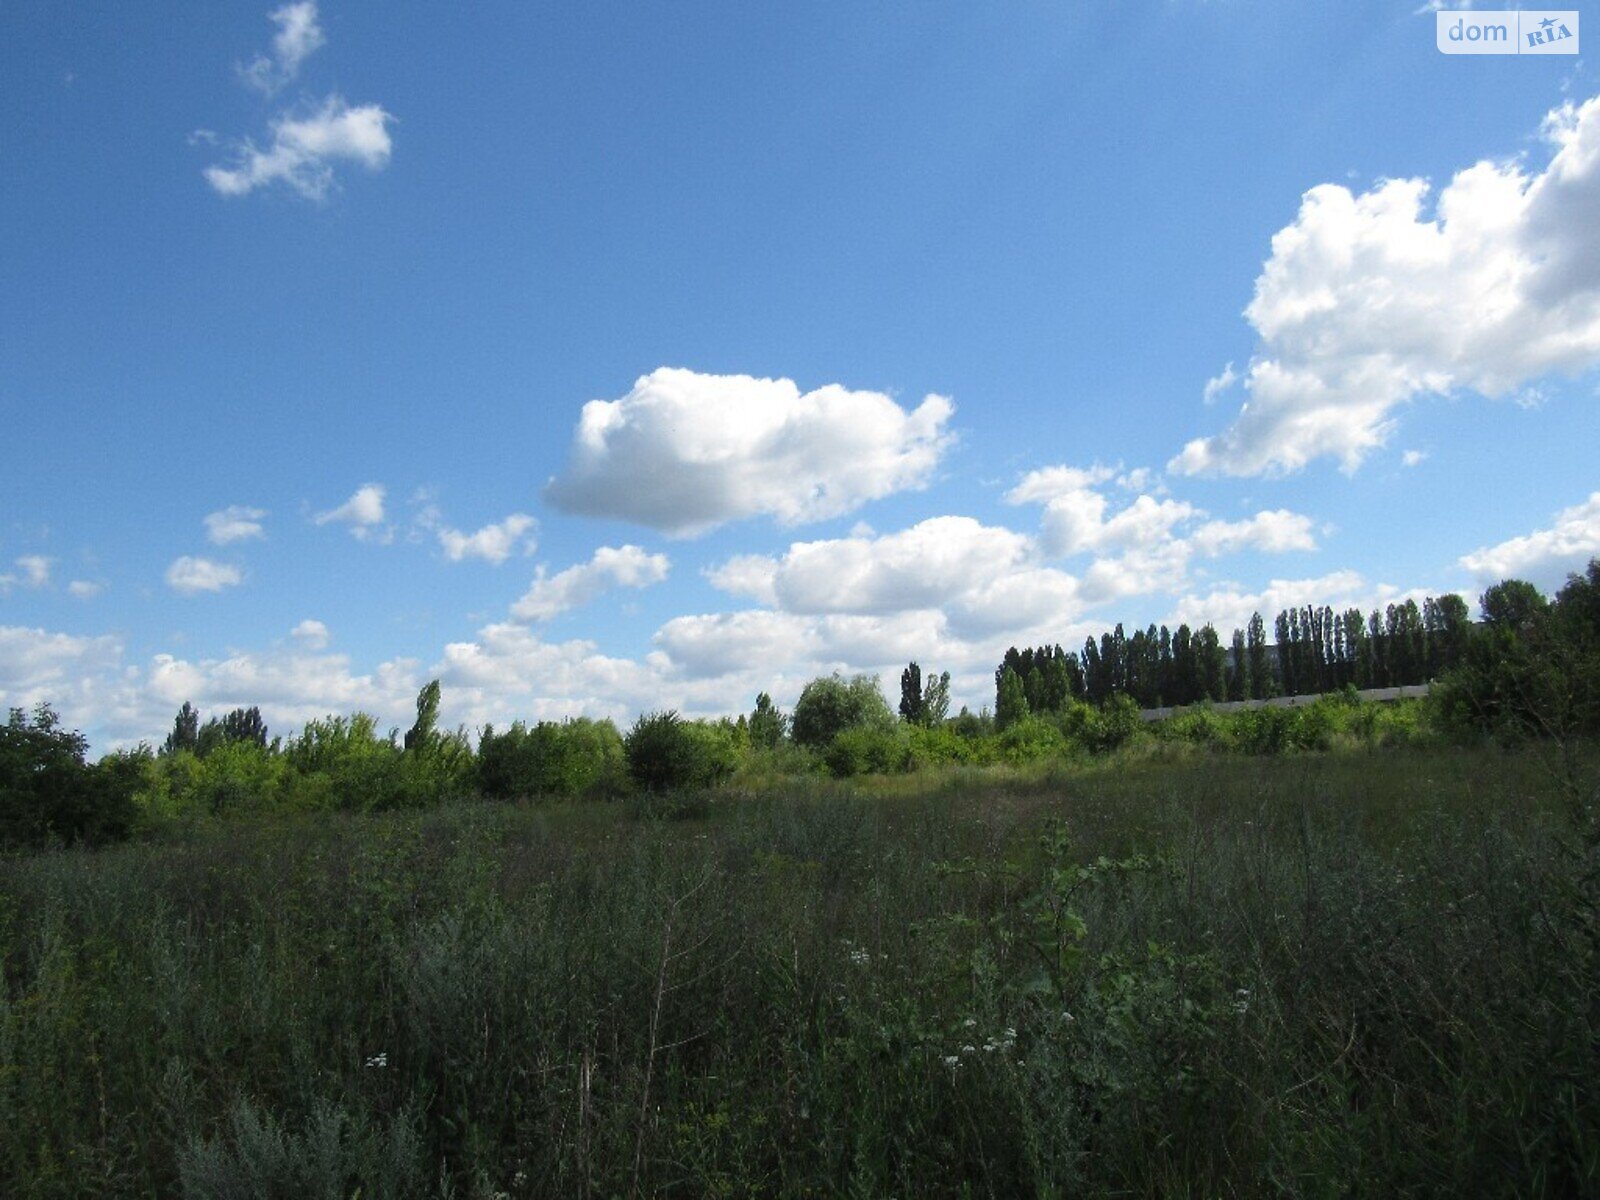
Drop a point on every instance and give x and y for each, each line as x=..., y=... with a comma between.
x=1169, y=971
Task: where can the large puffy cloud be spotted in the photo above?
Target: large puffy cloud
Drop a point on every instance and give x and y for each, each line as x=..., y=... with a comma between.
x=1545, y=555
x=610, y=567
x=188, y=576
x=920, y=567
x=304, y=149
x=1370, y=300
x=684, y=452
x=978, y=578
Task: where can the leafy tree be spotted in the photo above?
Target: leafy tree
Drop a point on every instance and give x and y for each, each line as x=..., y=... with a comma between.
x=551, y=759
x=1513, y=604
x=936, y=699
x=49, y=791
x=422, y=736
x=868, y=750
x=1262, y=682
x=1011, y=700
x=1239, y=682
x=831, y=703
x=1212, y=661
x=245, y=725
x=911, y=695
x=185, y=733
x=768, y=725
x=666, y=753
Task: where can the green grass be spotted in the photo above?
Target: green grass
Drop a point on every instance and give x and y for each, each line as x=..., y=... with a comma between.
x=1153, y=975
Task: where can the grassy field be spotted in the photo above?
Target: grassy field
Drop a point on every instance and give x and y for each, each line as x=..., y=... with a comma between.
x=1315, y=975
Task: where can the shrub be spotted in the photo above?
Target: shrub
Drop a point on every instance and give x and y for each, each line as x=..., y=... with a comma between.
x=1265, y=730
x=1099, y=730
x=832, y=704
x=1029, y=739
x=868, y=750
x=666, y=753
x=937, y=745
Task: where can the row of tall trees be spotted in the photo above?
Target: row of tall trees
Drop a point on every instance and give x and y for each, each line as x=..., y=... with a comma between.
x=1314, y=650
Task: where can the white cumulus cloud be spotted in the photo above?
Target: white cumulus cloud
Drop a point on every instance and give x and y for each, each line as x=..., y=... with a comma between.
x=311, y=634
x=189, y=576
x=493, y=543
x=84, y=589
x=303, y=150
x=1572, y=539
x=1145, y=545
x=236, y=523
x=684, y=452
x=1372, y=299
x=363, y=512
x=610, y=567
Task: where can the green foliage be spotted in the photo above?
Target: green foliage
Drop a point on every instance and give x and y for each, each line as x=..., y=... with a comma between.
x=570, y=758
x=1533, y=669
x=1111, y=726
x=421, y=736
x=768, y=725
x=940, y=745
x=831, y=704
x=666, y=753
x=1010, y=701
x=335, y=1156
x=868, y=750
x=1225, y=976
x=1514, y=605
x=1030, y=739
x=48, y=792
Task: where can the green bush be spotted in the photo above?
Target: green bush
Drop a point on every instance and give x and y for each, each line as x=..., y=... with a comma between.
x=666, y=753
x=1030, y=739
x=1100, y=730
x=566, y=759
x=939, y=745
x=868, y=750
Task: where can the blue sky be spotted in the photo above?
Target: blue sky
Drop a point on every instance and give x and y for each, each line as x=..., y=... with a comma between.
x=914, y=330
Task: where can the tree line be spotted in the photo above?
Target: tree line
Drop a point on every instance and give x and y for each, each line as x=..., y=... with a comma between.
x=1530, y=667
x=1314, y=650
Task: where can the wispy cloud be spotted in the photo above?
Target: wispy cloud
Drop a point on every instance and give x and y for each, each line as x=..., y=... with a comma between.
x=305, y=142
x=188, y=576
x=363, y=513
x=236, y=523
x=303, y=150
x=297, y=38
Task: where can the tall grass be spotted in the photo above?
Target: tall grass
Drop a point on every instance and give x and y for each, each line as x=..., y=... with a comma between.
x=1314, y=976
